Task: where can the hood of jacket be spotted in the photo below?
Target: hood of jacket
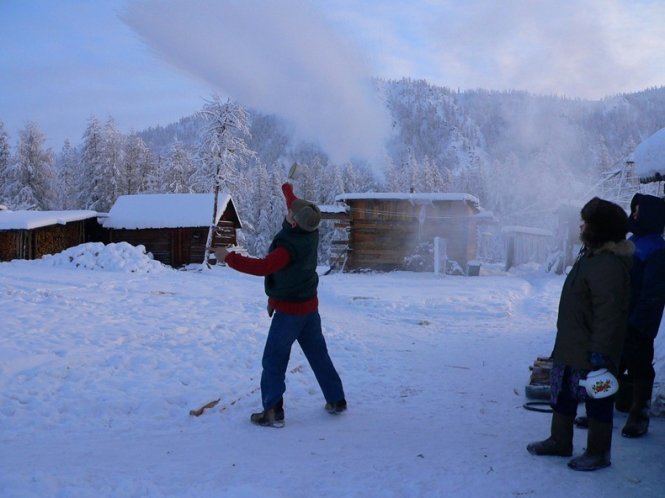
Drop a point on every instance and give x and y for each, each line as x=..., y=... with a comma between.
x=650, y=217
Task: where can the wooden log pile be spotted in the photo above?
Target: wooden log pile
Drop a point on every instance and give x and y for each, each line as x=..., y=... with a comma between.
x=540, y=371
x=539, y=381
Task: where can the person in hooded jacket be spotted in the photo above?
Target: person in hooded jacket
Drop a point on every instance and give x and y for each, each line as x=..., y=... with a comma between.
x=647, y=222
x=591, y=329
x=291, y=284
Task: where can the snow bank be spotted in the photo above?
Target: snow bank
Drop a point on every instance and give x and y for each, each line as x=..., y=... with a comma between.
x=116, y=257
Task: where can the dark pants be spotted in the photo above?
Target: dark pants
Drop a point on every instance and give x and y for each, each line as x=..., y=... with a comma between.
x=637, y=358
x=284, y=331
x=567, y=401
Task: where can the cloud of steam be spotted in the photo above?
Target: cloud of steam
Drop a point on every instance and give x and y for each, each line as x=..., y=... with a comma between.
x=275, y=56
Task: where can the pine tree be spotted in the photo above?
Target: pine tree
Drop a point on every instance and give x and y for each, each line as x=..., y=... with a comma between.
x=31, y=174
x=432, y=178
x=113, y=166
x=260, y=211
x=67, y=173
x=136, y=157
x=334, y=184
x=222, y=150
x=91, y=167
x=4, y=162
x=176, y=172
x=394, y=176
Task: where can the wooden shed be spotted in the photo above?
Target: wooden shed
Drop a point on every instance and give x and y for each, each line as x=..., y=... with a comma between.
x=32, y=234
x=173, y=227
x=526, y=245
x=396, y=231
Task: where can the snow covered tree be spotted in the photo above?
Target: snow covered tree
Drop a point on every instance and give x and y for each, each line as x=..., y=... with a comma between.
x=113, y=162
x=432, y=178
x=92, y=158
x=310, y=179
x=67, y=174
x=5, y=155
x=222, y=149
x=176, y=172
x=276, y=203
x=334, y=184
x=102, y=160
x=259, y=212
x=136, y=158
x=30, y=174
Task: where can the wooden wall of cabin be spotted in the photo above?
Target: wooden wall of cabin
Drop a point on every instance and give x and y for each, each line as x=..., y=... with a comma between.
x=224, y=236
x=195, y=239
x=452, y=221
x=10, y=242
x=384, y=232
x=176, y=246
x=56, y=238
x=156, y=241
x=95, y=231
x=35, y=243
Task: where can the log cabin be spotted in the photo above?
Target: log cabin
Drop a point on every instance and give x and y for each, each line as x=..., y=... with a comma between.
x=33, y=234
x=173, y=227
x=396, y=231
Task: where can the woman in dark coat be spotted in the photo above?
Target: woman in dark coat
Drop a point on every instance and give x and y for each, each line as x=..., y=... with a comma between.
x=591, y=329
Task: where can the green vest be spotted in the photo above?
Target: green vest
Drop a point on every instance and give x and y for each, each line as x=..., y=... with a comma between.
x=298, y=280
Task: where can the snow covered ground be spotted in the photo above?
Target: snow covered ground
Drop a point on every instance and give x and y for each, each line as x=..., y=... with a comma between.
x=104, y=352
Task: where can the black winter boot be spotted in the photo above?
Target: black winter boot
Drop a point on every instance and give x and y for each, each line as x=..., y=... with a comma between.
x=336, y=407
x=268, y=418
x=637, y=424
x=597, y=453
x=560, y=442
x=279, y=410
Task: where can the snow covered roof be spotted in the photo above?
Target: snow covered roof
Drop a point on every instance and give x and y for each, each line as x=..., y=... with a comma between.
x=418, y=198
x=333, y=208
x=164, y=211
x=27, y=220
x=649, y=157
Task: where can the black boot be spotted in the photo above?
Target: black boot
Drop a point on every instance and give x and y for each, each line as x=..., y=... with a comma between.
x=637, y=424
x=336, y=407
x=597, y=453
x=279, y=410
x=272, y=417
x=560, y=442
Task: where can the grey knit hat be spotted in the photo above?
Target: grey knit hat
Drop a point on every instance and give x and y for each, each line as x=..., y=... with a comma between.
x=306, y=214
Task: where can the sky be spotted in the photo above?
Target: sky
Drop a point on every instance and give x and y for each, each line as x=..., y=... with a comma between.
x=434, y=368
x=150, y=62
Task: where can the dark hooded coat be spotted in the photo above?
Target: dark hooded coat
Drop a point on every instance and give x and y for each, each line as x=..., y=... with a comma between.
x=648, y=271
x=595, y=298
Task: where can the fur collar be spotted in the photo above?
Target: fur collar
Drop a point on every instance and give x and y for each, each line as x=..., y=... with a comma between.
x=623, y=248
